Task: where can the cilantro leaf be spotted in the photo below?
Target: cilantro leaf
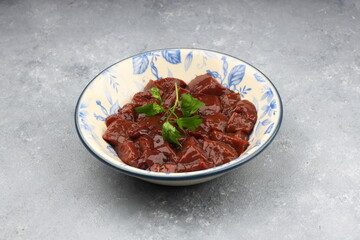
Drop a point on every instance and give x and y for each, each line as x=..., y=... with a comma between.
x=190, y=123
x=170, y=133
x=189, y=105
x=150, y=109
x=155, y=92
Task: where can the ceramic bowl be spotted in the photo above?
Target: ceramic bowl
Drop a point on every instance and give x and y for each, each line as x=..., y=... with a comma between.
x=115, y=86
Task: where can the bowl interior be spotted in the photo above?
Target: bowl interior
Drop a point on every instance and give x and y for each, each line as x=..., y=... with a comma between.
x=115, y=86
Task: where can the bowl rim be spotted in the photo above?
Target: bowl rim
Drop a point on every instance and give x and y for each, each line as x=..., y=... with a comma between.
x=196, y=174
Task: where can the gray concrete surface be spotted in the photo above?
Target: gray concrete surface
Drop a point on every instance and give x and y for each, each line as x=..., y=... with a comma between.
x=306, y=185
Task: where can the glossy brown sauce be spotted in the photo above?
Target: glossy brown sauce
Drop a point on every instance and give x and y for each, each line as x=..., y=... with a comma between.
x=222, y=136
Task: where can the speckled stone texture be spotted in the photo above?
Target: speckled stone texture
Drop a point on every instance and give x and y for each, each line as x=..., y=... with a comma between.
x=306, y=185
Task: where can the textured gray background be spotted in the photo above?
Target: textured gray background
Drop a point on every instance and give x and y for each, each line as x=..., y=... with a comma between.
x=304, y=186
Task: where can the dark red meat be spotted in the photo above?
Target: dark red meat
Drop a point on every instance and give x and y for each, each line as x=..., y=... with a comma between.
x=212, y=104
x=238, y=122
x=205, y=84
x=247, y=109
x=219, y=152
x=223, y=135
x=238, y=144
x=228, y=101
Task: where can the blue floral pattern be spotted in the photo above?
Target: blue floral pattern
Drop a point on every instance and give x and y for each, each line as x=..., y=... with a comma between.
x=154, y=70
x=268, y=94
x=235, y=76
x=83, y=117
x=269, y=109
x=258, y=77
x=110, y=76
x=112, y=109
x=188, y=61
x=244, y=90
x=140, y=63
x=172, y=56
x=111, y=150
x=84, y=121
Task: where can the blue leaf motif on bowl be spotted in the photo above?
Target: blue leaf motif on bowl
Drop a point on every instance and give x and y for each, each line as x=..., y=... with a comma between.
x=111, y=149
x=236, y=75
x=83, y=105
x=98, y=117
x=217, y=75
x=268, y=95
x=172, y=56
x=209, y=54
x=112, y=110
x=188, y=60
x=203, y=64
x=214, y=74
x=268, y=130
x=140, y=63
x=84, y=124
x=84, y=121
x=103, y=109
x=225, y=66
x=259, y=78
x=258, y=143
x=243, y=91
x=110, y=76
x=269, y=109
x=154, y=69
x=266, y=122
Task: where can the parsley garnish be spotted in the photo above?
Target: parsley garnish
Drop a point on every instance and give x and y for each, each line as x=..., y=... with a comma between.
x=150, y=109
x=170, y=133
x=189, y=105
x=190, y=123
x=155, y=92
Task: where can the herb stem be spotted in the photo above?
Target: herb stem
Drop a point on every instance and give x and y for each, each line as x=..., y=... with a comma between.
x=172, y=109
x=167, y=119
x=177, y=96
x=175, y=114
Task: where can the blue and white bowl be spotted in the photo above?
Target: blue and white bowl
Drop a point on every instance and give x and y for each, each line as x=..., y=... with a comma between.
x=115, y=86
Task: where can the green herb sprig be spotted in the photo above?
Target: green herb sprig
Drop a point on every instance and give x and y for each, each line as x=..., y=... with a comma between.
x=189, y=106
